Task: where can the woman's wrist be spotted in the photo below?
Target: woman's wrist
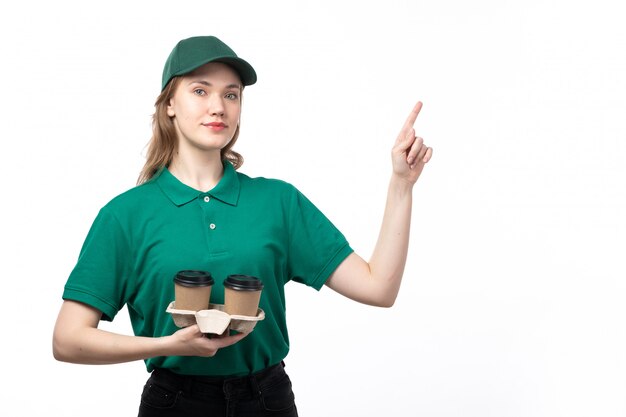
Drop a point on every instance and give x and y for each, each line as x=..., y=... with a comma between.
x=400, y=185
x=163, y=346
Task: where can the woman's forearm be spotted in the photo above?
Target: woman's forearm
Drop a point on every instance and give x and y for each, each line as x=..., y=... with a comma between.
x=77, y=339
x=390, y=253
x=99, y=347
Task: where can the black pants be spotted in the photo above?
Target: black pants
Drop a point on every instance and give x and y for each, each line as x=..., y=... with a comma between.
x=265, y=393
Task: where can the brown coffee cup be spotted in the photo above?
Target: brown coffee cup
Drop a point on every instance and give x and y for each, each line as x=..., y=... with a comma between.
x=242, y=294
x=192, y=290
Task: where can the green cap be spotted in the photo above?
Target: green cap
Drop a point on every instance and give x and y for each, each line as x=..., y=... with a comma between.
x=192, y=53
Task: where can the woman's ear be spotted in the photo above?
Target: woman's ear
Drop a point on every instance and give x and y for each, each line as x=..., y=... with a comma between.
x=170, y=109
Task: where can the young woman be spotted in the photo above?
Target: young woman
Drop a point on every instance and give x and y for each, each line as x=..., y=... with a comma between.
x=193, y=210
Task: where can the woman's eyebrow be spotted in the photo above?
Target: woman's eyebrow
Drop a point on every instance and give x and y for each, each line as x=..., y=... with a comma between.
x=208, y=84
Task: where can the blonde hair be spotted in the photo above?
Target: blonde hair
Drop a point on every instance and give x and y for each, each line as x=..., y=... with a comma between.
x=164, y=140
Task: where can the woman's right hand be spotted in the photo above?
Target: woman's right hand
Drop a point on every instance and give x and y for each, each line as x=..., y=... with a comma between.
x=190, y=341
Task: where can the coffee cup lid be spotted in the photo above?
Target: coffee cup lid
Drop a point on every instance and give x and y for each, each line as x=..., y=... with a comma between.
x=193, y=278
x=243, y=283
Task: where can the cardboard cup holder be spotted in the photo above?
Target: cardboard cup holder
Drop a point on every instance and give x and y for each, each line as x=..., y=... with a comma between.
x=214, y=320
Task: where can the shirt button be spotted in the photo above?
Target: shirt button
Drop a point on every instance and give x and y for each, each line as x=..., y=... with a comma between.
x=207, y=199
x=212, y=226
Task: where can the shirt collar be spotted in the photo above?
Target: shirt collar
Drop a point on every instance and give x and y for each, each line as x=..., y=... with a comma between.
x=226, y=190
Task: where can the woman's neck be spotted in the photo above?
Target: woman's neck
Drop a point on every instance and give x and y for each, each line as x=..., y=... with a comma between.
x=201, y=172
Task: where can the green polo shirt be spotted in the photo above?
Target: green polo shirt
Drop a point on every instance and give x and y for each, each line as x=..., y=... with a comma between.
x=254, y=226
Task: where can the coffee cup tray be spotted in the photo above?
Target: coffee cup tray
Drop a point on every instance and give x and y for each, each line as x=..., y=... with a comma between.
x=214, y=320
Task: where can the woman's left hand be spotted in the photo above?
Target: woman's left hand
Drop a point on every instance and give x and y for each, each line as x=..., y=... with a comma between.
x=409, y=154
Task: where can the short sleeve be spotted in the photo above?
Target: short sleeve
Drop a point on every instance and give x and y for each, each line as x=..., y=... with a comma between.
x=316, y=246
x=100, y=276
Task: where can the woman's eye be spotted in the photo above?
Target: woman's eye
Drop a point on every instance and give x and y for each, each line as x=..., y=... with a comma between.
x=199, y=91
x=231, y=96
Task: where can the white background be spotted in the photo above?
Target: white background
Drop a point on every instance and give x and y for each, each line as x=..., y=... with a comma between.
x=512, y=302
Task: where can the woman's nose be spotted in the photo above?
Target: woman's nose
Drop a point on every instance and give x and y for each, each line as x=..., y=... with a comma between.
x=216, y=106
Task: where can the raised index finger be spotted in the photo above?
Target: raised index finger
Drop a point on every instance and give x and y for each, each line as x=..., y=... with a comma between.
x=410, y=121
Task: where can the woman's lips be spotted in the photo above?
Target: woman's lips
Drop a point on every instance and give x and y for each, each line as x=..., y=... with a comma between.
x=215, y=125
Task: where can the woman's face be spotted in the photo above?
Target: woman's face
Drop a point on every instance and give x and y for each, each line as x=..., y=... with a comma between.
x=206, y=106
